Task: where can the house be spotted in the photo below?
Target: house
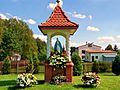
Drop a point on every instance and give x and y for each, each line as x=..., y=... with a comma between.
x=100, y=55
x=87, y=46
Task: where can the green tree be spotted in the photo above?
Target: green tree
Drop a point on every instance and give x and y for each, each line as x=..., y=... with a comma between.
x=6, y=65
x=78, y=67
x=19, y=38
x=10, y=41
x=96, y=67
x=41, y=49
x=2, y=28
x=72, y=50
x=109, y=47
x=116, y=65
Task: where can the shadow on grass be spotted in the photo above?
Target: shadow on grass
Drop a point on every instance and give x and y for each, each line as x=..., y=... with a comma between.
x=7, y=83
x=41, y=81
x=14, y=87
x=108, y=74
x=83, y=86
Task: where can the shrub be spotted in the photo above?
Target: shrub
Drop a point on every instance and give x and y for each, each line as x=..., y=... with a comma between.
x=95, y=67
x=24, y=80
x=58, y=79
x=103, y=66
x=91, y=79
x=3, y=55
x=78, y=67
x=36, y=68
x=6, y=65
x=29, y=68
x=116, y=65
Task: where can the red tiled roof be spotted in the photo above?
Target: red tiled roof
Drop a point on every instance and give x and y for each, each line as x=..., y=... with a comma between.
x=100, y=51
x=58, y=19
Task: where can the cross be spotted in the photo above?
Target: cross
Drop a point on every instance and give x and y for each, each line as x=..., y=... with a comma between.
x=58, y=1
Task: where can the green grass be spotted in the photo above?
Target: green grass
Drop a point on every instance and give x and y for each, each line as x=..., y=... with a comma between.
x=108, y=82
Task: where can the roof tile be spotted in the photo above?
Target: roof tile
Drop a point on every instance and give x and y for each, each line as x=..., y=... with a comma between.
x=58, y=18
x=100, y=51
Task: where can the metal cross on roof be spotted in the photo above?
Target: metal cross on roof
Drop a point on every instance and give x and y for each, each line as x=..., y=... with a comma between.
x=58, y=1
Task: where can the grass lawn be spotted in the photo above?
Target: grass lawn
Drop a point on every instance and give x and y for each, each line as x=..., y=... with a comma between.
x=108, y=82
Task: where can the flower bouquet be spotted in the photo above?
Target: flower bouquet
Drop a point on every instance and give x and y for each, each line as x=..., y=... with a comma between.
x=58, y=79
x=24, y=80
x=91, y=79
x=58, y=61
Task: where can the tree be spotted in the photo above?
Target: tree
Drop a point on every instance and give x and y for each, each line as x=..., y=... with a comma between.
x=72, y=50
x=115, y=48
x=116, y=65
x=78, y=68
x=42, y=46
x=96, y=67
x=109, y=47
x=6, y=65
x=17, y=37
x=10, y=41
x=2, y=28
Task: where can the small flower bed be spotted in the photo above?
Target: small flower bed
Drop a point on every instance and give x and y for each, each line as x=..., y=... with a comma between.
x=58, y=61
x=58, y=79
x=24, y=80
x=91, y=79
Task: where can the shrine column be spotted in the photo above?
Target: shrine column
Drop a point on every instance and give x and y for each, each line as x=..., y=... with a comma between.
x=48, y=45
x=68, y=46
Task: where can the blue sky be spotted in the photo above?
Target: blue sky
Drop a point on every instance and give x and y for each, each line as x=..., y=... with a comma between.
x=99, y=20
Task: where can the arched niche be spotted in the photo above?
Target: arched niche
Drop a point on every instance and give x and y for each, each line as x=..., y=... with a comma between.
x=65, y=34
x=61, y=39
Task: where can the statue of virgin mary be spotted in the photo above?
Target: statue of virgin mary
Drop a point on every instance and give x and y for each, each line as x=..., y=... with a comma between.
x=58, y=47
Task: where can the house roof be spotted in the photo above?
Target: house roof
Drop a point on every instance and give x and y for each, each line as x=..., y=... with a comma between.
x=92, y=45
x=58, y=19
x=100, y=51
x=109, y=55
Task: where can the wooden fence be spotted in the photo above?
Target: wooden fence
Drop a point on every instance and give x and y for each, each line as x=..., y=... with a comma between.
x=87, y=67
x=22, y=67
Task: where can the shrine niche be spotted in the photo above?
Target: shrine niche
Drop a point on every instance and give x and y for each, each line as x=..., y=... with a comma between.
x=58, y=24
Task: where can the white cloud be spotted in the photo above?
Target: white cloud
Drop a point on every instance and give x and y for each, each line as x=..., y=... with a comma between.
x=10, y=15
x=90, y=17
x=17, y=18
x=78, y=15
x=42, y=37
x=68, y=13
x=118, y=36
x=30, y=21
x=52, y=5
x=2, y=16
x=73, y=44
x=106, y=39
x=91, y=28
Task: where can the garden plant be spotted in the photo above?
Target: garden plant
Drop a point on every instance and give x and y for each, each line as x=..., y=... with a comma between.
x=90, y=78
x=24, y=80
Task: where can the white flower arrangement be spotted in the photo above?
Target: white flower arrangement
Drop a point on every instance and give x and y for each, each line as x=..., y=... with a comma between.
x=58, y=79
x=91, y=79
x=24, y=80
x=58, y=61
